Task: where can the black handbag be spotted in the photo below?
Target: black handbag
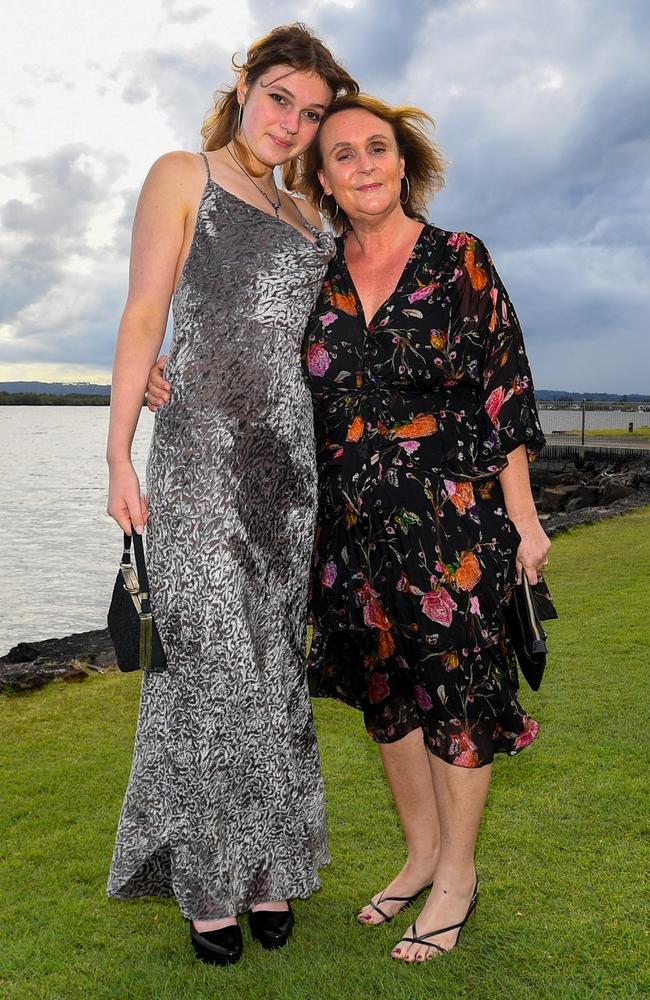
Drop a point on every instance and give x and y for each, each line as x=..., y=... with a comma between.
x=130, y=622
x=527, y=608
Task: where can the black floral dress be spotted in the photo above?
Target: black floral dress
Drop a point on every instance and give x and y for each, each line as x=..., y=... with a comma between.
x=414, y=555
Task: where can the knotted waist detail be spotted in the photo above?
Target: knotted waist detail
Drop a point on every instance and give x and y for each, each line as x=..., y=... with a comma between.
x=442, y=428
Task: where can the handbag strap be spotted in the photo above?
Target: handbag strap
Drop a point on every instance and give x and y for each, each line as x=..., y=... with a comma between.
x=143, y=579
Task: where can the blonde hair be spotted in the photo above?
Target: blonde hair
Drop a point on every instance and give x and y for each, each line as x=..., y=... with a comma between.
x=288, y=45
x=424, y=164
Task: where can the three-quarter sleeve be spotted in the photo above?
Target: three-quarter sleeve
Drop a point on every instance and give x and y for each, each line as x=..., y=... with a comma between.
x=507, y=390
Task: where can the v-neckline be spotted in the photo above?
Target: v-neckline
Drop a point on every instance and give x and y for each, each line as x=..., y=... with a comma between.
x=272, y=218
x=369, y=324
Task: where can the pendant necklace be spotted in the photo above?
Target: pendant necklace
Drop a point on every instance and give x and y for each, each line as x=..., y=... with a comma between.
x=275, y=205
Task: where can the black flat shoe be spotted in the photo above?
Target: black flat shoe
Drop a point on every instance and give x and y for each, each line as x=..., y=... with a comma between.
x=222, y=947
x=272, y=928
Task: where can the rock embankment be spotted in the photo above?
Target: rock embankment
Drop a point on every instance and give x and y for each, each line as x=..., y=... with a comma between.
x=32, y=664
x=584, y=490
x=574, y=485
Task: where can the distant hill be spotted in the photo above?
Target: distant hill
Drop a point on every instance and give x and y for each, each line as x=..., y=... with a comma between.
x=92, y=389
x=57, y=388
x=597, y=397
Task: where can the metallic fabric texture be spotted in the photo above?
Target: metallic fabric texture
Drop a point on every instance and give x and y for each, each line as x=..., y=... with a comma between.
x=225, y=805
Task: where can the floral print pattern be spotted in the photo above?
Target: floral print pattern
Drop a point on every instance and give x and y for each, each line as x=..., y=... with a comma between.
x=415, y=414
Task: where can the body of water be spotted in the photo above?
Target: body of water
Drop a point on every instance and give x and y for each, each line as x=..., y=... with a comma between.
x=59, y=551
x=596, y=419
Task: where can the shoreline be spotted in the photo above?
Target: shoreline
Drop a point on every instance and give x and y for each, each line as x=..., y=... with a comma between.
x=72, y=658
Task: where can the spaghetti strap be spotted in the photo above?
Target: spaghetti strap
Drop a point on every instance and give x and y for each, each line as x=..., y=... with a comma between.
x=299, y=212
x=309, y=226
x=207, y=165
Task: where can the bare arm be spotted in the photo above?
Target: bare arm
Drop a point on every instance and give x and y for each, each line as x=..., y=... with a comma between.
x=515, y=483
x=158, y=237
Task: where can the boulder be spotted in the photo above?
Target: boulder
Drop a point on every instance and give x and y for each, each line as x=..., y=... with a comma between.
x=576, y=503
x=71, y=658
x=616, y=490
x=24, y=652
x=553, y=498
x=587, y=493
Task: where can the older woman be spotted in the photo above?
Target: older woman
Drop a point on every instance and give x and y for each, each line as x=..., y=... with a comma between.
x=424, y=414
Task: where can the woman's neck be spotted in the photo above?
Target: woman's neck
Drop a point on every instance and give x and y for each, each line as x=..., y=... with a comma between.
x=380, y=236
x=258, y=170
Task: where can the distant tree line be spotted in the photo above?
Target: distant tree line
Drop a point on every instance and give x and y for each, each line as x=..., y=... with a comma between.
x=51, y=399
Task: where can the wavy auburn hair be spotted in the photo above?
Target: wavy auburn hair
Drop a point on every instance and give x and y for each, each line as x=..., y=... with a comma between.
x=424, y=164
x=291, y=45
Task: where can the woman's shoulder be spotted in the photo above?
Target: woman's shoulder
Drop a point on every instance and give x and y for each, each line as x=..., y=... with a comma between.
x=178, y=163
x=460, y=251
x=176, y=178
x=456, y=240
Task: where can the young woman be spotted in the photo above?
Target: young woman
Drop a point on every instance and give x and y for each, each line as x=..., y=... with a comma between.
x=224, y=809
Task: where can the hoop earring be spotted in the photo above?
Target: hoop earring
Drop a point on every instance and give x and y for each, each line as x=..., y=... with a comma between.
x=240, y=117
x=408, y=190
x=323, y=210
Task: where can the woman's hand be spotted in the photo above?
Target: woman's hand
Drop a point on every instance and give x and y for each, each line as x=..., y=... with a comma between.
x=533, y=549
x=125, y=503
x=158, y=389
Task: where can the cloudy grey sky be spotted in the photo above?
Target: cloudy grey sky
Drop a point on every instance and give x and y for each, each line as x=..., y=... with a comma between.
x=542, y=108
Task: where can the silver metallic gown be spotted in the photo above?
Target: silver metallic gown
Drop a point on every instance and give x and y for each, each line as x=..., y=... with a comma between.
x=225, y=806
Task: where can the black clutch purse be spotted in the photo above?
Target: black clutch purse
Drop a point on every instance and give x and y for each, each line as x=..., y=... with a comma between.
x=130, y=622
x=527, y=608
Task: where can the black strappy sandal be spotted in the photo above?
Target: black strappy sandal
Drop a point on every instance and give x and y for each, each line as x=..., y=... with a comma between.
x=406, y=900
x=416, y=938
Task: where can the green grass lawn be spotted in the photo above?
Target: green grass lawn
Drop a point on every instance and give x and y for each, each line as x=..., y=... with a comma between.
x=642, y=432
x=605, y=432
x=562, y=851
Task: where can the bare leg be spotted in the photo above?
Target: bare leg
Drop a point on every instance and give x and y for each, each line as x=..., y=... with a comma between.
x=460, y=795
x=203, y=926
x=406, y=763
x=277, y=906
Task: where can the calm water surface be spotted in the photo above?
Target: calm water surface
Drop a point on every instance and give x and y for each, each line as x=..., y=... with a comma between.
x=59, y=552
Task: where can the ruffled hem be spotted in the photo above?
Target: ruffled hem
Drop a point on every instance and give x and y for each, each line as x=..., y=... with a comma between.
x=465, y=701
x=499, y=742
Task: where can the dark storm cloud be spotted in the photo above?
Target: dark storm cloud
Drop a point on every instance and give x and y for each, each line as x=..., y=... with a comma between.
x=183, y=85
x=63, y=186
x=26, y=276
x=374, y=39
x=179, y=14
x=549, y=140
x=135, y=93
x=541, y=109
x=42, y=296
x=80, y=326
